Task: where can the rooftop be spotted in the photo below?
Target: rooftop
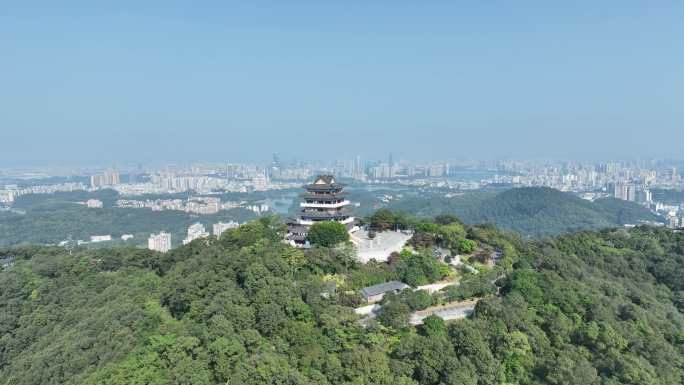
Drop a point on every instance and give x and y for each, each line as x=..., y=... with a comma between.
x=324, y=183
x=324, y=187
x=382, y=288
x=296, y=228
x=324, y=179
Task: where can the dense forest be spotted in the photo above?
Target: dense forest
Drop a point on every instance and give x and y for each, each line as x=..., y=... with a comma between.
x=532, y=212
x=601, y=308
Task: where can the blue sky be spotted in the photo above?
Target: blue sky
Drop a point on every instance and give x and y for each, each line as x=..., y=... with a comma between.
x=215, y=81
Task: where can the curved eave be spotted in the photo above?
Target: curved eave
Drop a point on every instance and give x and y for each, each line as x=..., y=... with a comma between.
x=324, y=187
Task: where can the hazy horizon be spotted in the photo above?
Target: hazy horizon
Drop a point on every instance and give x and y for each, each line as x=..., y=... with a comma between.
x=163, y=82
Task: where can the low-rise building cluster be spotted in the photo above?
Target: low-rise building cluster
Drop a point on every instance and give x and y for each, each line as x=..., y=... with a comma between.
x=11, y=192
x=94, y=204
x=194, y=205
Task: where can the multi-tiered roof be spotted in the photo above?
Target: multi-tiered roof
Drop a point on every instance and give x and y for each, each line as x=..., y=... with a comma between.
x=324, y=200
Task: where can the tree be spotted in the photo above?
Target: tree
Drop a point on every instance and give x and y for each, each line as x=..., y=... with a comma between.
x=394, y=312
x=433, y=325
x=465, y=246
x=427, y=227
x=382, y=220
x=417, y=300
x=328, y=233
x=423, y=240
x=447, y=219
x=589, y=308
x=419, y=269
x=517, y=357
x=451, y=234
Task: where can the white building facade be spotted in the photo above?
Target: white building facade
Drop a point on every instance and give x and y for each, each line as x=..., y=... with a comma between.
x=220, y=228
x=195, y=231
x=159, y=242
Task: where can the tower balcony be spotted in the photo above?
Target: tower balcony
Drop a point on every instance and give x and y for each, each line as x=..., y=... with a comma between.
x=325, y=205
x=324, y=195
x=309, y=222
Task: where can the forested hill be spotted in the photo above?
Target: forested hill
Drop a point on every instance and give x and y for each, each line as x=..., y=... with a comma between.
x=594, y=308
x=539, y=211
x=52, y=218
x=532, y=211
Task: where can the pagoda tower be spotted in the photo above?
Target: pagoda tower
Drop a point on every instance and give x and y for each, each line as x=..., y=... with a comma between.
x=324, y=200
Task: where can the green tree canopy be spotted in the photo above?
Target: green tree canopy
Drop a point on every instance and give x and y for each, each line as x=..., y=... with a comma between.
x=328, y=233
x=596, y=308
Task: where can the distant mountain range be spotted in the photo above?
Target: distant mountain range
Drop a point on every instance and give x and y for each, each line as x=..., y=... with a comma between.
x=531, y=211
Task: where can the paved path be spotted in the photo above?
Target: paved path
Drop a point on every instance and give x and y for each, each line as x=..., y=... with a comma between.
x=447, y=312
x=367, y=310
x=380, y=247
x=437, y=286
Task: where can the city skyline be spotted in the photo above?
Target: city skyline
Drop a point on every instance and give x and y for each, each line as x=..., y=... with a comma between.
x=226, y=190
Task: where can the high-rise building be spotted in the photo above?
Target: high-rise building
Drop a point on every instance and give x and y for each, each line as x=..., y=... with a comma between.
x=644, y=196
x=96, y=181
x=159, y=242
x=436, y=170
x=220, y=228
x=357, y=168
x=324, y=200
x=381, y=171
x=621, y=191
x=673, y=222
x=631, y=193
x=111, y=178
x=108, y=178
x=195, y=231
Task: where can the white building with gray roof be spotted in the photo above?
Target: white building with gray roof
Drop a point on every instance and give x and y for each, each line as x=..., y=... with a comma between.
x=376, y=292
